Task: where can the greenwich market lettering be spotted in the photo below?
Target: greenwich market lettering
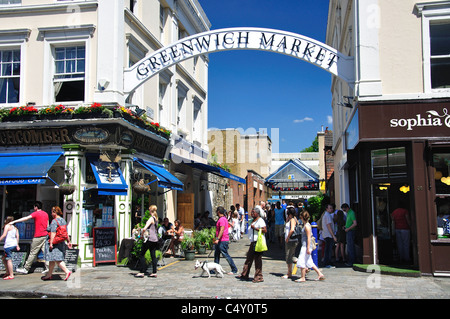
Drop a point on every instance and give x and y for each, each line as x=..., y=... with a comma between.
x=433, y=119
x=291, y=44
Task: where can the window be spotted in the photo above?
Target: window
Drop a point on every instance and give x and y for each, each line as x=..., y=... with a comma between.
x=9, y=76
x=69, y=80
x=388, y=163
x=441, y=163
x=440, y=55
x=5, y=2
x=435, y=43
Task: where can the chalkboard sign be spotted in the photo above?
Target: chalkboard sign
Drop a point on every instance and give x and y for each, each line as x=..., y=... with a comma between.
x=71, y=259
x=18, y=258
x=105, y=245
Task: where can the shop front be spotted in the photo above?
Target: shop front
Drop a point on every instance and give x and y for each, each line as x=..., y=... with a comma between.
x=398, y=157
x=88, y=168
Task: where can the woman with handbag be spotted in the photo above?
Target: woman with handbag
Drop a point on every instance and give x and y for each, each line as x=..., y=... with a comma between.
x=305, y=260
x=55, y=250
x=290, y=242
x=257, y=225
x=151, y=242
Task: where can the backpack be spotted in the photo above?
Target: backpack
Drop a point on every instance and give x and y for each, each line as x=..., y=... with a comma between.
x=61, y=234
x=319, y=222
x=297, y=230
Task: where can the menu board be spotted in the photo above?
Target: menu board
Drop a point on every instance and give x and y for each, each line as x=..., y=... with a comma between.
x=105, y=245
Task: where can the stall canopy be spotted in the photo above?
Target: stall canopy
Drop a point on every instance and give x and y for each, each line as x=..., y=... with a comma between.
x=109, y=177
x=217, y=171
x=164, y=178
x=26, y=168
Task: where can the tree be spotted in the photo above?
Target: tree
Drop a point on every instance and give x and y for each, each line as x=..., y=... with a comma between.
x=313, y=148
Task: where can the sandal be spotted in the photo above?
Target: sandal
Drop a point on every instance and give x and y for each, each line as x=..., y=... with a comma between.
x=300, y=280
x=140, y=275
x=68, y=275
x=286, y=277
x=320, y=278
x=153, y=275
x=46, y=278
x=8, y=277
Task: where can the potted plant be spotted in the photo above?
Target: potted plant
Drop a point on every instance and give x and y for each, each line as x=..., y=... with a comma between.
x=66, y=189
x=188, y=247
x=201, y=240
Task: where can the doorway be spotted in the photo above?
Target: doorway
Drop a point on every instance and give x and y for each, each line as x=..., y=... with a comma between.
x=393, y=247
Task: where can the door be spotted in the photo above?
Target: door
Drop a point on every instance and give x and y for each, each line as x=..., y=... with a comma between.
x=185, y=209
x=387, y=197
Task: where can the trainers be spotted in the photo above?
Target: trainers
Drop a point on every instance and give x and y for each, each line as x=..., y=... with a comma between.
x=22, y=271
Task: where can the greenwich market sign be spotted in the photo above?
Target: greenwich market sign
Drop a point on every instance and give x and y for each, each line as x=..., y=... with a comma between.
x=276, y=41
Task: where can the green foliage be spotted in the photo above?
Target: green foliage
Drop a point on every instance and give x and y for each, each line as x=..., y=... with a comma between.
x=313, y=148
x=188, y=243
x=316, y=205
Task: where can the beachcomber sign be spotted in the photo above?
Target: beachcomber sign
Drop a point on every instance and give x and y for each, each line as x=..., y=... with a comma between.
x=287, y=43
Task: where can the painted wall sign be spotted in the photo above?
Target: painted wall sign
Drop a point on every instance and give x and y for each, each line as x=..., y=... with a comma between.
x=91, y=135
x=295, y=45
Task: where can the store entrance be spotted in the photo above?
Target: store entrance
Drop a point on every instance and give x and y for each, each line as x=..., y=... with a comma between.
x=392, y=225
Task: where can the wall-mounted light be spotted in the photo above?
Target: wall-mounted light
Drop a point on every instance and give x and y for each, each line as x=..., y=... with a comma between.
x=103, y=84
x=347, y=103
x=139, y=112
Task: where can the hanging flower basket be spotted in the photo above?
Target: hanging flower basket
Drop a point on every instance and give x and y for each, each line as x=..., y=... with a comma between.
x=140, y=187
x=66, y=189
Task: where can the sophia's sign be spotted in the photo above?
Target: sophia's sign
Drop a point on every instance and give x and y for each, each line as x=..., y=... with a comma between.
x=283, y=42
x=402, y=121
x=431, y=119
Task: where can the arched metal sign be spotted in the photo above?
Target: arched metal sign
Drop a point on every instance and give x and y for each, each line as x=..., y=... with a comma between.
x=283, y=42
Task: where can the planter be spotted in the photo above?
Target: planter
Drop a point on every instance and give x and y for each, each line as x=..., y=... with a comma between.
x=189, y=254
x=140, y=187
x=201, y=249
x=21, y=118
x=66, y=189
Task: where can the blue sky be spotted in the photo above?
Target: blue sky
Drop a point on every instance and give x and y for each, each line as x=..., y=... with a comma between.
x=263, y=90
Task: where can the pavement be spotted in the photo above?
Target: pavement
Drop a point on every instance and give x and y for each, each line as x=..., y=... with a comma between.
x=178, y=279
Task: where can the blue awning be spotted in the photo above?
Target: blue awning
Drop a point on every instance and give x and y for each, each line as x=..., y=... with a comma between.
x=217, y=171
x=109, y=177
x=164, y=178
x=26, y=168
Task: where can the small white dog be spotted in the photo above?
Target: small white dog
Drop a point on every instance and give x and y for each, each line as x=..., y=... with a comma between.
x=208, y=266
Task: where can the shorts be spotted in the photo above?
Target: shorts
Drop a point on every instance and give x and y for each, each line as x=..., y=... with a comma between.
x=290, y=251
x=8, y=252
x=279, y=230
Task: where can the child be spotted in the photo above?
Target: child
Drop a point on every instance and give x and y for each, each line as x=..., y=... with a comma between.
x=11, y=237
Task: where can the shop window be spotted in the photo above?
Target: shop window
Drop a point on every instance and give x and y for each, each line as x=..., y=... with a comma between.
x=19, y=202
x=441, y=163
x=440, y=55
x=388, y=163
x=98, y=211
x=9, y=76
x=69, y=80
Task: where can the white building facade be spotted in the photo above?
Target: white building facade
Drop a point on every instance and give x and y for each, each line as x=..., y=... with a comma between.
x=66, y=59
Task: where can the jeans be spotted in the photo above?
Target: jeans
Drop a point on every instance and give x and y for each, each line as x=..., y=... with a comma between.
x=222, y=248
x=402, y=237
x=142, y=261
x=328, y=249
x=351, y=246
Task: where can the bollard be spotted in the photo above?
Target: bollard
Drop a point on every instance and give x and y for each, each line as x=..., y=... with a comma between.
x=314, y=253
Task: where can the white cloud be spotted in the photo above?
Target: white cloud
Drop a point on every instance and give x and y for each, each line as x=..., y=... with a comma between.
x=330, y=119
x=304, y=120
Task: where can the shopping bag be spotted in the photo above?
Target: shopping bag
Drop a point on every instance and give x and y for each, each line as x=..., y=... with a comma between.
x=261, y=242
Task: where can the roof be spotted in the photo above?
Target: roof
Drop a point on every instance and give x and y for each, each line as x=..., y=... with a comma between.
x=293, y=171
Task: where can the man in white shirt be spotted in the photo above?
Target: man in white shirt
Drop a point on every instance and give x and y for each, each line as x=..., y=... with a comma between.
x=328, y=235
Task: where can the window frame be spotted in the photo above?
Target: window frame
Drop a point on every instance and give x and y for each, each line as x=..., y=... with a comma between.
x=12, y=50
x=431, y=14
x=65, y=36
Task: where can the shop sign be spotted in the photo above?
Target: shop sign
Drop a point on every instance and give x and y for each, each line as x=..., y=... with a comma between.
x=91, y=135
x=403, y=121
x=34, y=136
x=430, y=119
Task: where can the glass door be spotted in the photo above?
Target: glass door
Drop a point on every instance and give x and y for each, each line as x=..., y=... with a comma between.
x=391, y=213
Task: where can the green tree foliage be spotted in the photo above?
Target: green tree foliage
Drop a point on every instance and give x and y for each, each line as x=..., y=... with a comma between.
x=316, y=205
x=313, y=148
